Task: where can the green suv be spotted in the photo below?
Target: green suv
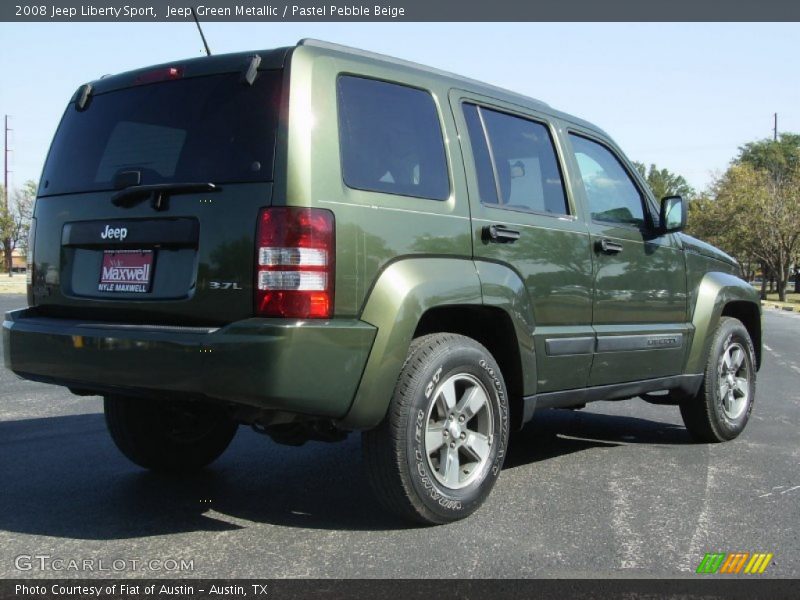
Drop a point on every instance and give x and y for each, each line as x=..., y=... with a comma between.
x=318, y=240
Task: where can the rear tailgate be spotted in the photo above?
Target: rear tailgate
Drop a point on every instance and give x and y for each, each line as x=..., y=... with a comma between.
x=201, y=251
x=110, y=247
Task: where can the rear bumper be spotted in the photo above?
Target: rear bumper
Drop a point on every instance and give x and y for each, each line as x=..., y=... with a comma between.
x=307, y=367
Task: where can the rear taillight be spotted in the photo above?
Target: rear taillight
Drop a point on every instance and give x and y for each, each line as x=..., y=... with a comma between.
x=295, y=263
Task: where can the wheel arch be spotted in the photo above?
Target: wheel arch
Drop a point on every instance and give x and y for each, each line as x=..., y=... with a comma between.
x=718, y=295
x=492, y=327
x=750, y=316
x=416, y=296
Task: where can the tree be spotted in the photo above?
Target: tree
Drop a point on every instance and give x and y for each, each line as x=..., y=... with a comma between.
x=710, y=219
x=755, y=216
x=15, y=219
x=665, y=183
x=778, y=157
x=780, y=160
x=753, y=210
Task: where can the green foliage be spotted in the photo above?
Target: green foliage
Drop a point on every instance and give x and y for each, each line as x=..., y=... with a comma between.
x=15, y=219
x=779, y=158
x=753, y=210
x=665, y=183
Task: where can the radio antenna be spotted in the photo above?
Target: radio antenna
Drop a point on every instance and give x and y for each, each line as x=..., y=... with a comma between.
x=200, y=29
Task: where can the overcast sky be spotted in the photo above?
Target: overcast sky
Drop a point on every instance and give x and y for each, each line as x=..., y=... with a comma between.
x=683, y=96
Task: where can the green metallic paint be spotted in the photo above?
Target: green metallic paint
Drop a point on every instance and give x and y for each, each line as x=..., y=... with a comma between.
x=396, y=258
x=700, y=248
x=306, y=367
x=310, y=367
x=634, y=365
x=714, y=290
x=503, y=288
x=404, y=291
x=643, y=284
x=552, y=259
x=372, y=228
x=560, y=372
x=640, y=290
x=225, y=253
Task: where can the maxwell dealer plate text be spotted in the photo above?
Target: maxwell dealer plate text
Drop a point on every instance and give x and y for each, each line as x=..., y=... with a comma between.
x=126, y=271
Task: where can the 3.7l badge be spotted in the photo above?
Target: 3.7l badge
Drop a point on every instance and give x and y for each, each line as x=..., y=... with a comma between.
x=224, y=285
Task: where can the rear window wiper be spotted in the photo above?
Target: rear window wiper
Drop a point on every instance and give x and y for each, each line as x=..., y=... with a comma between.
x=159, y=192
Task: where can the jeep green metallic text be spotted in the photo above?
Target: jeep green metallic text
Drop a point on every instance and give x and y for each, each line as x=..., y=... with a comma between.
x=318, y=240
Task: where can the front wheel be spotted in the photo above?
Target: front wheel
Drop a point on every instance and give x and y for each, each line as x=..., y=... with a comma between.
x=722, y=407
x=168, y=435
x=436, y=456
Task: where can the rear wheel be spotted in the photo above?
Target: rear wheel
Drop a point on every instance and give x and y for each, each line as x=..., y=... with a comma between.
x=437, y=454
x=722, y=407
x=168, y=435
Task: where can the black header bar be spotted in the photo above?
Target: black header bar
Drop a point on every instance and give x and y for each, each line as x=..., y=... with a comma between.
x=399, y=10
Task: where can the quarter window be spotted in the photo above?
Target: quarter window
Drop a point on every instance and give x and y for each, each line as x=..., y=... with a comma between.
x=487, y=188
x=612, y=195
x=523, y=169
x=391, y=139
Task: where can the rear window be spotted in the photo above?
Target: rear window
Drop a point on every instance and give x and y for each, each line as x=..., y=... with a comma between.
x=204, y=129
x=391, y=139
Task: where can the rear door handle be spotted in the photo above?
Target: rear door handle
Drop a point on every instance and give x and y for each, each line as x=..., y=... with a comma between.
x=608, y=247
x=500, y=234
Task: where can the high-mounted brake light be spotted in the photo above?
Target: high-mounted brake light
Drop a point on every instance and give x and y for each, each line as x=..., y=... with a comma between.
x=165, y=74
x=295, y=263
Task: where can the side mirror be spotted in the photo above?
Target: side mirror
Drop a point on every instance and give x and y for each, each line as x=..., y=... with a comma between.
x=673, y=214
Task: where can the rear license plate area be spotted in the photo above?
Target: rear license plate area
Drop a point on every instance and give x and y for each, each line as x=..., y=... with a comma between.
x=126, y=271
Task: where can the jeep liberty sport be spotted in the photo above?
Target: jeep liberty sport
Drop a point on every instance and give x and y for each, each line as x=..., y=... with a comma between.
x=317, y=240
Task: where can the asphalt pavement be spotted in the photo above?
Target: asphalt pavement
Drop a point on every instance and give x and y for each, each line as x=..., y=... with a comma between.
x=614, y=490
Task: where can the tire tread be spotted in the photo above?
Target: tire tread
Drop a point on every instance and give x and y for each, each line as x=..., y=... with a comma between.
x=698, y=412
x=383, y=447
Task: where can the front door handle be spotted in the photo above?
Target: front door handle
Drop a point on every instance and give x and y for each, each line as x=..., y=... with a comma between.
x=500, y=234
x=608, y=247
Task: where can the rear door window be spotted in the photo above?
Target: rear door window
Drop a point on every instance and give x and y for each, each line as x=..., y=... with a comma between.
x=391, y=139
x=523, y=162
x=202, y=129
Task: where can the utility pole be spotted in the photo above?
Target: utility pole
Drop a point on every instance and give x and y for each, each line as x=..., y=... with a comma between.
x=775, y=129
x=6, y=241
x=5, y=166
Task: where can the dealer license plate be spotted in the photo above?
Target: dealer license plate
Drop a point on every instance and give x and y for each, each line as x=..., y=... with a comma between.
x=126, y=271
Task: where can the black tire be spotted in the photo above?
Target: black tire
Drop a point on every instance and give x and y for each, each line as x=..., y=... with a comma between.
x=168, y=435
x=405, y=479
x=707, y=416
